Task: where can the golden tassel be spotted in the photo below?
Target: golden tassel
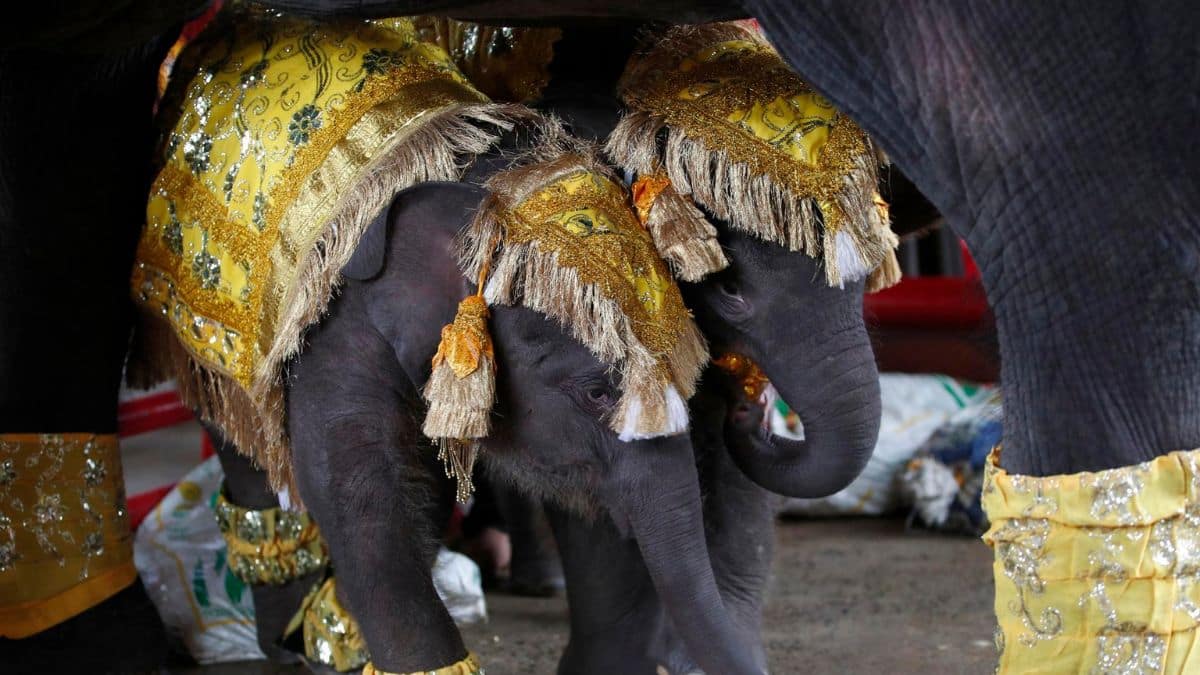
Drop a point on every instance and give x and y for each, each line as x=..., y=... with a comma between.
x=462, y=389
x=683, y=236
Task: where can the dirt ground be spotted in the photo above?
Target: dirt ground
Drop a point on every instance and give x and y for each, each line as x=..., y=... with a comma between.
x=846, y=597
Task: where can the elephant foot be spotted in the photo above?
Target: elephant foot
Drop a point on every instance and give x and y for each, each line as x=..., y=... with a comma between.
x=123, y=634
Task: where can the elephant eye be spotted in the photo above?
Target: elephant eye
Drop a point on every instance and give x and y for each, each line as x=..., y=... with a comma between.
x=600, y=395
x=730, y=287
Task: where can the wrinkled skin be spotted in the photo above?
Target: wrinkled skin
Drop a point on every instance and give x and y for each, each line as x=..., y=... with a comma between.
x=373, y=484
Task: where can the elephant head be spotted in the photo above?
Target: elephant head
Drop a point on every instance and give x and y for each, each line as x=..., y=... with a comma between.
x=777, y=305
x=774, y=307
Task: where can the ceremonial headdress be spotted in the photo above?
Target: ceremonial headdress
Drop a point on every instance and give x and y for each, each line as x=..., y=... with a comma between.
x=717, y=117
x=558, y=235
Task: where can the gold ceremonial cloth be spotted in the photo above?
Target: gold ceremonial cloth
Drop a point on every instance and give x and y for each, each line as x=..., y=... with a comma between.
x=65, y=544
x=281, y=118
x=291, y=135
x=1096, y=572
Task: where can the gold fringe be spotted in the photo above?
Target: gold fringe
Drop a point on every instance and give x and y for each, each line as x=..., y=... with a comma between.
x=681, y=233
x=462, y=390
x=254, y=420
x=732, y=191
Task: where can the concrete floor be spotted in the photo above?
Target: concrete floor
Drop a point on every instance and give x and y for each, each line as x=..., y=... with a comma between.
x=847, y=597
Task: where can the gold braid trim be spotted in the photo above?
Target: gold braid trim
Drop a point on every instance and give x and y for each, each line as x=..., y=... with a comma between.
x=468, y=666
x=571, y=248
x=755, y=145
x=271, y=546
x=65, y=543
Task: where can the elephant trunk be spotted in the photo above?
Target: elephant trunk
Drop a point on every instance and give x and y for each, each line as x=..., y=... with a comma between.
x=833, y=386
x=667, y=522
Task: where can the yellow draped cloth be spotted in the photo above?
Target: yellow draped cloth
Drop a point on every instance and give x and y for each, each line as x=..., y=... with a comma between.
x=289, y=136
x=65, y=544
x=1096, y=572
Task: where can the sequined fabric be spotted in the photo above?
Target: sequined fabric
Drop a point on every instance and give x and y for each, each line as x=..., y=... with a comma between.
x=269, y=546
x=65, y=543
x=468, y=666
x=585, y=219
x=739, y=96
x=734, y=128
x=1096, y=572
x=560, y=237
x=239, y=198
x=331, y=635
x=288, y=137
x=507, y=63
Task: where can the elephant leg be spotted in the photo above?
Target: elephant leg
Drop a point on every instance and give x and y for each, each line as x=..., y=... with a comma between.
x=378, y=493
x=614, y=610
x=274, y=605
x=535, y=568
x=75, y=141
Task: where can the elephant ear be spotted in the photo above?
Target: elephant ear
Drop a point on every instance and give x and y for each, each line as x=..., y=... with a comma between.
x=367, y=261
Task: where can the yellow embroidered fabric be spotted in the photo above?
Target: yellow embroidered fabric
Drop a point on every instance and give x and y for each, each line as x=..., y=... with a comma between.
x=331, y=635
x=468, y=666
x=271, y=546
x=743, y=135
x=1096, y=572
x=740, y=97
x=279, y=121
x=558, y=235
x=585, y=219
x=65, y=544
x=507, y=63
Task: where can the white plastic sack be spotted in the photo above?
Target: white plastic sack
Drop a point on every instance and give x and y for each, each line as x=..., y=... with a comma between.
x=460, y=586
x=180, y=555
x=914, y=406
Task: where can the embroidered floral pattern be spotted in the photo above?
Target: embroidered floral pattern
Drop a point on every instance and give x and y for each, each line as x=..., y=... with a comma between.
x=306, y=120
x=1096, y=571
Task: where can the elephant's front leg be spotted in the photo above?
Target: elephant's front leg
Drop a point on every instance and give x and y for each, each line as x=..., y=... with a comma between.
x=375, y=490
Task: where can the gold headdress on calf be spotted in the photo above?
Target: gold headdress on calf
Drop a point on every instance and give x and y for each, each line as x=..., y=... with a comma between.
x=717, y=117
x=289, y=136
x=557, y=235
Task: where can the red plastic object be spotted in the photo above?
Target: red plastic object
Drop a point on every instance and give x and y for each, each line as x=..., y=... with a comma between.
x=941, y=302
x=147, y=413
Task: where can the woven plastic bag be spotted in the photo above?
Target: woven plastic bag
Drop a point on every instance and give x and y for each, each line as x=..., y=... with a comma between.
x=180, y=556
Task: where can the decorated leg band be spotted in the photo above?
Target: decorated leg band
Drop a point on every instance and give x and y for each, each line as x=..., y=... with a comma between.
x=468, y=666
x=331, y=635
x=65, y=544
x=271, y=546
x=1096, y=572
